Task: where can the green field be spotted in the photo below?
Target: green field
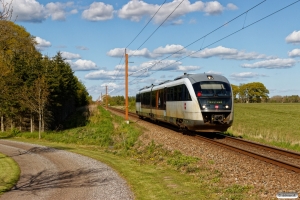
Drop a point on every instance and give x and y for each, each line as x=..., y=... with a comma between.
x=270, y=123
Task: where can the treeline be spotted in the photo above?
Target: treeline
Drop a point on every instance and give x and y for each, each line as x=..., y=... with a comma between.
x=35, y=90
x=256, y=92
x=285, y=99
x=118, y=101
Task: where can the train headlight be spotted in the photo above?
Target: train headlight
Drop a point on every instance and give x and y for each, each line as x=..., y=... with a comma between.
x=203, y=107
x=226, y=106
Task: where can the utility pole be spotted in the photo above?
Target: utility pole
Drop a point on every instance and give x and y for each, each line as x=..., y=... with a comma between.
x=126, y=87
x=106, y=97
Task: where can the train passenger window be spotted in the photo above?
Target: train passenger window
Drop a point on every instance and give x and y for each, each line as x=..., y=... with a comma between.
x=175, y=94
x=186, y=94
x=179, y=92
x=170, y=93
x=138, y=98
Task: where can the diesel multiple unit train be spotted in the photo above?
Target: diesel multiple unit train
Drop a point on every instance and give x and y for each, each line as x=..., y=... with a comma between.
x=198, y=102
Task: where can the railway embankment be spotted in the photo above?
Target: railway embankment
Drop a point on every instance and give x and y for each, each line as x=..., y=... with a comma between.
x=159, y=163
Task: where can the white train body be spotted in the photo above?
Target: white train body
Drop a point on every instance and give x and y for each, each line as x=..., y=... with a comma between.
x=199, y=102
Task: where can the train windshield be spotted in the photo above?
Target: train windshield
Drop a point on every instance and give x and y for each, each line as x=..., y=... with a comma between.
x=212, y=89
x=213, y=95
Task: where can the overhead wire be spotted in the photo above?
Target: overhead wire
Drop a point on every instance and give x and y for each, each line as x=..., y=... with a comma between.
x=138, y=35
x=159, y=26
x=233, y=33
x=211, y=32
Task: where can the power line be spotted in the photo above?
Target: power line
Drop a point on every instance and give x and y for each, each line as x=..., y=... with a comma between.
x=160, y=25
x=233, y=33
x=145, y=25
x=203, y=37
x=140, y=33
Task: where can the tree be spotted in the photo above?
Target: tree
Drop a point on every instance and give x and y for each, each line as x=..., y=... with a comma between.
x=35, y=97
x=235, y=92
x=6, y=10
x=253, y=92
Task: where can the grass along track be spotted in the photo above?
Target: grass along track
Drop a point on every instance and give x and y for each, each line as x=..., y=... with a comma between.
x=276, y=124
x=151, y=171
x=287, y=159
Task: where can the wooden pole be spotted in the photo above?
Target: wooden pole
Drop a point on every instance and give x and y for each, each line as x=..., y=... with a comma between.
x=106, y=97
x=126, y=86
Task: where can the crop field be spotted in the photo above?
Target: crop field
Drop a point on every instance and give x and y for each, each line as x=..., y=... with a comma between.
x=270, y=123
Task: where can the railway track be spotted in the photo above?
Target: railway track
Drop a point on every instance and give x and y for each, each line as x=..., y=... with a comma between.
x=276, y=156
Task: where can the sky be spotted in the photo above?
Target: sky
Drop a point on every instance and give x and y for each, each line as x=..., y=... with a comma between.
x=245, y=41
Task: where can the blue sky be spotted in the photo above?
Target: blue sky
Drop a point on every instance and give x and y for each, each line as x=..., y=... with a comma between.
x=92, y=36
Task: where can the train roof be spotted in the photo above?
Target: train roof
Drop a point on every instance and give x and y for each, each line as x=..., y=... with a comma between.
x=193, y=78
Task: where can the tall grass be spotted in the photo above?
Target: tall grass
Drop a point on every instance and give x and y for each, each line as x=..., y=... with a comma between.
x=102, y=129
x=276, y=124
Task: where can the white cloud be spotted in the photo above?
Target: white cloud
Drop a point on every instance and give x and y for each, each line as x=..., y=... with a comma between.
x=42, y=44
x=294, y=53
x=272, y=64
x=231, y=6
x=70, y=56
x=83, y=65
x=217, y=51
x=213, y=8
x=33, y=11
x=167, y=65
x=228, y=53
x=245, y=75
x=56, y=11
x=82, y=47
x=214, y=72
x=98, y=11
x=294, y=37
x=120, y=52
x=170, y=49
x=28, y=10
x=177, y=22
x=135, y=10
x=74, y=11
x=105, y=75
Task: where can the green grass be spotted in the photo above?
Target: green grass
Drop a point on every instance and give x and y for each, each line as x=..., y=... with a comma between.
x=9, y=173
x=271, y=123
x=151, y=171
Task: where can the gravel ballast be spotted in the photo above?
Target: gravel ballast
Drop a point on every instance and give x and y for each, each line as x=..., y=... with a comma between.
x=266, y=180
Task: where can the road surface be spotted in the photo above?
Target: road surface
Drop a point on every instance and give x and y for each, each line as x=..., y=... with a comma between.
x=48, y=173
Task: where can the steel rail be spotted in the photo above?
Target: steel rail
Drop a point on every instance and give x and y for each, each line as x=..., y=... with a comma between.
x=267, y=159
x=264, y=147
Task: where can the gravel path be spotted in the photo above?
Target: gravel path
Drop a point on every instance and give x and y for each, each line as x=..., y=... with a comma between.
x=266, y=179
x=48, y=173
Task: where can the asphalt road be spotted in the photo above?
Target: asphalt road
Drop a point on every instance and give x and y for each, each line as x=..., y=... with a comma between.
x=48, y=173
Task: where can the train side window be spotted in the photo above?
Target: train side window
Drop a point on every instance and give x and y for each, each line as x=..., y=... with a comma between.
x=175, y=93
x=138, y=96
x=153, y=99
x=179, y=92
x=170, y=94
x=186, y=94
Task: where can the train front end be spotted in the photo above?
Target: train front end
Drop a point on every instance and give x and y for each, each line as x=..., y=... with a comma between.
x=215, y=99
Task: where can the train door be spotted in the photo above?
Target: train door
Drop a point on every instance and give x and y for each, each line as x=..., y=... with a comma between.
x=165, y=101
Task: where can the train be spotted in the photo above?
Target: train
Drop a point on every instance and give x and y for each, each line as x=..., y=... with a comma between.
x=196, y=102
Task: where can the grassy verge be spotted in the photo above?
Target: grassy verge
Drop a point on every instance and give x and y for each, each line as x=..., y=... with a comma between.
x=151, y=171
x=9, y=173
x=274, y=124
